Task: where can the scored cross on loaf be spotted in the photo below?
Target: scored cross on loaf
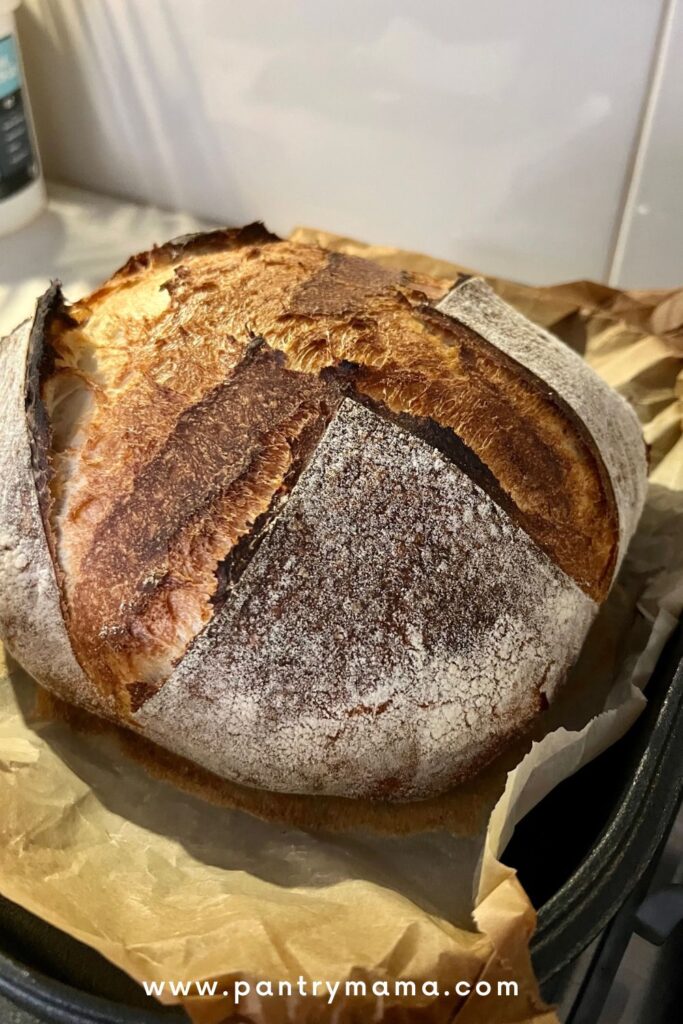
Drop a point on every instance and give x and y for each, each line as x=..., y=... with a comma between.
x=316, y=525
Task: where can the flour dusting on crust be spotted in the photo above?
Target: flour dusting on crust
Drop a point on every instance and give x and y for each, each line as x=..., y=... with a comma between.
x=391, y=634
x=609, y=418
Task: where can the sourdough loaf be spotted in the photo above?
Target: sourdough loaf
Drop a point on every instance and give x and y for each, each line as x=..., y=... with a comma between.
x=318, y=526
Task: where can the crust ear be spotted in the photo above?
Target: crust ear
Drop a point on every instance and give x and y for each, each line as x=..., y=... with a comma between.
x=31, y=617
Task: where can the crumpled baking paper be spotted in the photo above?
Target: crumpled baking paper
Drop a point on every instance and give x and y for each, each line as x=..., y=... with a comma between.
x=174, y=876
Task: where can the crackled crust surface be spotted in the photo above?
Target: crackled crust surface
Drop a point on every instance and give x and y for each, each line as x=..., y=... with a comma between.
x=174, y=421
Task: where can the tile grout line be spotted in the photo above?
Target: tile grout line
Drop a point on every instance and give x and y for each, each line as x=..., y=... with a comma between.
x=643, y=134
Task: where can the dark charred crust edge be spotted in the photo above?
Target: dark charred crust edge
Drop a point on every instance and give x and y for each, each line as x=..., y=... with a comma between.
x=39, y=364
x=40, y=360
x=452, y=446
x=424, y=428
x=232, y=568
x=445, y=322
x=199, y=242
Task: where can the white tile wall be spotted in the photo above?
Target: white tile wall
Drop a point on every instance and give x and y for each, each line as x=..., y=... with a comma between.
x=501, y=135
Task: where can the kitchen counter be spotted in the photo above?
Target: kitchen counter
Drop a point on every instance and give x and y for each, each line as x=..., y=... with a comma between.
x=80, y=239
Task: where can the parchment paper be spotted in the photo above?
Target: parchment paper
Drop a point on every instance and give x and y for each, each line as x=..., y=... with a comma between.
x=173, y=876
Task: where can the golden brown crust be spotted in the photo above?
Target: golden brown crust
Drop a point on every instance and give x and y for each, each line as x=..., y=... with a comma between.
x=216, y=472
x=198, y=243
x=156, y=348
x=543, y=458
